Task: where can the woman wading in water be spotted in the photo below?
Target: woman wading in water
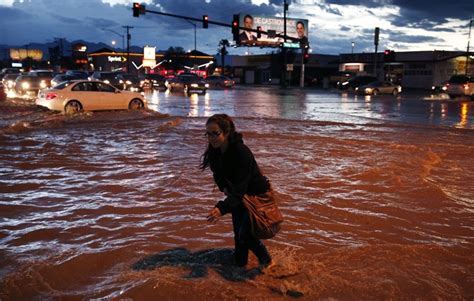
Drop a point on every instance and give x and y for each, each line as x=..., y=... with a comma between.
x=236, y=173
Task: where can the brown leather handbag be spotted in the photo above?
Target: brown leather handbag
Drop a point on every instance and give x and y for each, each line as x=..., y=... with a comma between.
x=265, y=217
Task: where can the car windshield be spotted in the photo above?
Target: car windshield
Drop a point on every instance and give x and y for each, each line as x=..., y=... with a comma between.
x=36, y=73
x=155, y=76
x=188, y=78
x=129, y=77
x=61, y=86
x=108, y=76
x=458, y=79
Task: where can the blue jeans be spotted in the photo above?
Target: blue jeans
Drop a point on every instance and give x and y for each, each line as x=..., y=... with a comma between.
x=244, y=241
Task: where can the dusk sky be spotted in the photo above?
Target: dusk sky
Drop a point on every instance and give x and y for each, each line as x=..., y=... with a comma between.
x=333, y=24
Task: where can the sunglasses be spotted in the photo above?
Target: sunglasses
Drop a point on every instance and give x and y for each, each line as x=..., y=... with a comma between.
x=212, y=134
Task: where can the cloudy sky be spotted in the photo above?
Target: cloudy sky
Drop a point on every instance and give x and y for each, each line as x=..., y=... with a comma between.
x=333, y=24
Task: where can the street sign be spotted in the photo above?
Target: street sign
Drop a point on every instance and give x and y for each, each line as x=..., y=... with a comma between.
x=291, y=45
x=289, y=67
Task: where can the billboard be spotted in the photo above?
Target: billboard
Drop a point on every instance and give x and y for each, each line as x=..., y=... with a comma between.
x=296, y=30
x=18, y=54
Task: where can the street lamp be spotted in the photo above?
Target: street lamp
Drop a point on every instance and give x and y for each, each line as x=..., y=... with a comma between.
x=113, y=44
x=120, y=35
x=353, y=44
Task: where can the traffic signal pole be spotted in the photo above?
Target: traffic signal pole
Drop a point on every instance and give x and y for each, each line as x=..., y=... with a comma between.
x=283, y=83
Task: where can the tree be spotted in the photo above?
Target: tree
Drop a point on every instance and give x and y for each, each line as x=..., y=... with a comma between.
x=223, y=44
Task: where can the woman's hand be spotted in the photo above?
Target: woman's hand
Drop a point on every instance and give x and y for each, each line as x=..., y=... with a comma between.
x=214, y=216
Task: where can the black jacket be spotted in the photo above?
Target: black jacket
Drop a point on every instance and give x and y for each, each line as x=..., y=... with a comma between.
x=236, y=170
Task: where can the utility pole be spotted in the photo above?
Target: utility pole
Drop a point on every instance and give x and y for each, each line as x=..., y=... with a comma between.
x=468, y=42
x=285, y=8
x=376, y=43
x=128, y=46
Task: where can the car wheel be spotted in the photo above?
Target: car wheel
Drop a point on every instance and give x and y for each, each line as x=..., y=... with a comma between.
x=135, y=104
x=375, y=92
x=395, y=92
x=72, y=107
x=204, y=91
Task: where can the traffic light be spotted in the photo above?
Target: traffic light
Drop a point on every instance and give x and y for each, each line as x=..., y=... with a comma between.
x=205, y=21
x=389, y=55
x=305, y=55
x=259, y=32
x=138, y=9
x=235, y=29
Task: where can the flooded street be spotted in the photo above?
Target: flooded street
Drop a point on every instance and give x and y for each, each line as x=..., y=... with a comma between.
x=377, y=195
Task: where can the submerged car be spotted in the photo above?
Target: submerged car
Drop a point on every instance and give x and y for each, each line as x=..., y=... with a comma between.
x=441, y=88
x=460, y=85
x=129, y=82
x=355, y=82
x=107, y=77
x=187, y=82
x=153, y=81
x=33, y=81
x=9, y=81
x=379, y=87
x=85, y=95
x=220, y=81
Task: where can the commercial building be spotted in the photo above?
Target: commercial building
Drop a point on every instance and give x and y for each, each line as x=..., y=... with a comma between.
x=412, y=69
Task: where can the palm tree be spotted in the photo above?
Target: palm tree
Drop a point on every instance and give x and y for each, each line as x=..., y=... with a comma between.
x=223, y=44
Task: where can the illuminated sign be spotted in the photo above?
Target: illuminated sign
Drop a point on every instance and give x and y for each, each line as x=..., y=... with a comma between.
x=296, y=30
x=149, y=56
x=116, y=59
x=19, y=54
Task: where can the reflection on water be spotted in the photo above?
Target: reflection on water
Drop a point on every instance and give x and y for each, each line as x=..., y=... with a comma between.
x=112, y=205
x=317, y=106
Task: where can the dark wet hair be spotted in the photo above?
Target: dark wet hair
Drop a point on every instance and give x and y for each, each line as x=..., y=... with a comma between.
x=226, y=124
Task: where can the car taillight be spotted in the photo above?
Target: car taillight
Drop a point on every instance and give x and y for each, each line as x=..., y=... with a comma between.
x=50, y=96
x=466, y=86
x=226, y=82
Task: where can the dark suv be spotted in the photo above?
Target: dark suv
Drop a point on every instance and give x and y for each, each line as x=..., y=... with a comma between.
x=460, y=85
x=354, y=83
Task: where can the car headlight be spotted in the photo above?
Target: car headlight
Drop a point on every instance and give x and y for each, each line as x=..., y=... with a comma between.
x=128, y=82
x=368, y=90
x=433, y=87
x=10, y=83
x=444, y=88
x=25, y=85
x=194, y=85
x=345, y=83
x=206, y=85
x=357, y=89
x=142, y=82
x=120, y=81
x=107, y=81
x=43, y=84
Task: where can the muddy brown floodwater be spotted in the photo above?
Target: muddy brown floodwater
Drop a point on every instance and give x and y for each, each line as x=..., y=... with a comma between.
x=378, y=200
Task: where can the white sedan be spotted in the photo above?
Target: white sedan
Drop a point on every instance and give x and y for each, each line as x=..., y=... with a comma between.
x=79, y=95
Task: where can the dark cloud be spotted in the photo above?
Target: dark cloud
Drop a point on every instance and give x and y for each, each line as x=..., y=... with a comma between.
x=8, y=14
x=436, y=11
x=345, y=28
x=217, y=10
x=100, y=22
